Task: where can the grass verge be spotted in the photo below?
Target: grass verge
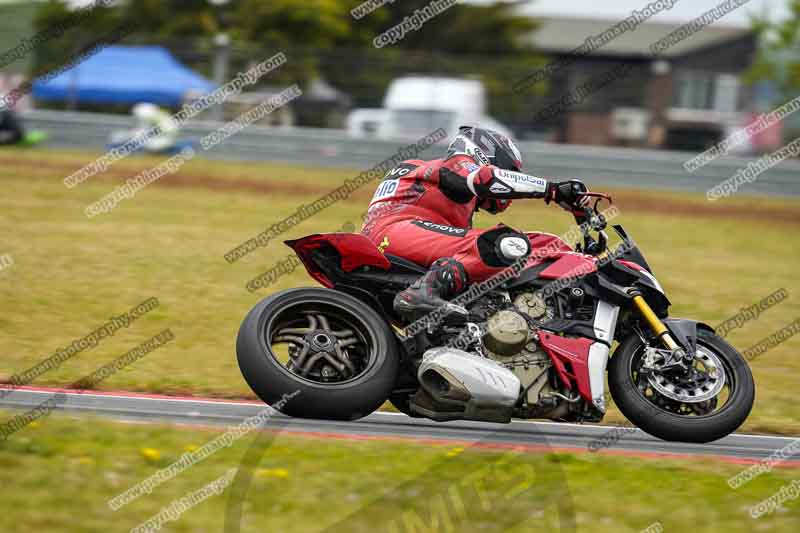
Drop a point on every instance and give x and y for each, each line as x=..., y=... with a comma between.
x=63, y=470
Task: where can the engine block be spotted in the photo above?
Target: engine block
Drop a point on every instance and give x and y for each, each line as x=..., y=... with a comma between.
x=508, y=340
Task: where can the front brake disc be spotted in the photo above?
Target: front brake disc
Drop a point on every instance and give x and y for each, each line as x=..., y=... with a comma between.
x=702, y=387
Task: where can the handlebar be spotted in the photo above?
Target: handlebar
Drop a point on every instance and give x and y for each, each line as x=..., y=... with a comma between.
x=589, y=218
x=598, y=195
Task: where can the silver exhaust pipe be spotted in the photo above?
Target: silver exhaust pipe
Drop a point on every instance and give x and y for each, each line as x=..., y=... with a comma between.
x=458, y=385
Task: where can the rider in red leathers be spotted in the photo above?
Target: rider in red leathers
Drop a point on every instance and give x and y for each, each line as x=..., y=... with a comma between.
x=422, y=211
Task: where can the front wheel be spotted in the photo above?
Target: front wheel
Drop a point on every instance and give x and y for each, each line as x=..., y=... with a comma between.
x=333, y=352
x=707, y=402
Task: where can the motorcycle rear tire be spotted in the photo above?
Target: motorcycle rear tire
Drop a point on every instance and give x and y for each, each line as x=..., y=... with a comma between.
x=271, y=380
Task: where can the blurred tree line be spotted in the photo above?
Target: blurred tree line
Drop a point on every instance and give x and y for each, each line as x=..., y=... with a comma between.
x=321, y=40
x=778, y=61
x=779, y=54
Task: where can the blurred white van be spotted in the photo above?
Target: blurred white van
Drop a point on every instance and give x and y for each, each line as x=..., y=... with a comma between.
x=417, y=105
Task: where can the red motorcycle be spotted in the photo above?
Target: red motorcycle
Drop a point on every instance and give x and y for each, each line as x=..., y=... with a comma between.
x=534, y=342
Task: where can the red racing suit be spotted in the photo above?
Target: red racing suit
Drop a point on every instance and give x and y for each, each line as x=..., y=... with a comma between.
x=422, y=211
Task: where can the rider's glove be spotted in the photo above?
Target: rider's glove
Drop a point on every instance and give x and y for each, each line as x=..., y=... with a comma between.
x=567, y=194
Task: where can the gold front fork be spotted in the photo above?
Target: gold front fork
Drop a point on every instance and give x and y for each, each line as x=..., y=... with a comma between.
x=654, y=322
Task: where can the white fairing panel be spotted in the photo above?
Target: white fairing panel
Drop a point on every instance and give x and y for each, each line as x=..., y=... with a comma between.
x=605, y=323
x=598, y=357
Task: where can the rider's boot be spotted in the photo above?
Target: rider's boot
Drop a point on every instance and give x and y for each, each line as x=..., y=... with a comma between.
x=445, y=278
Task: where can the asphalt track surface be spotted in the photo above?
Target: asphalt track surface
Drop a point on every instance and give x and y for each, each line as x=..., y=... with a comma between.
x=522, y=435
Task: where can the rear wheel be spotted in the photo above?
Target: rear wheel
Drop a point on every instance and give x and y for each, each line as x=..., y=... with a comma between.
x=707, y=402
x=336, y=352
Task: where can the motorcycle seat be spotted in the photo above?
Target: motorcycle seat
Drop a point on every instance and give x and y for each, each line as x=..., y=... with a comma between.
x=404, y=265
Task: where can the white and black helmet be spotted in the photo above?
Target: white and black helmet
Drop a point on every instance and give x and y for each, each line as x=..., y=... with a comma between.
x=487, y=147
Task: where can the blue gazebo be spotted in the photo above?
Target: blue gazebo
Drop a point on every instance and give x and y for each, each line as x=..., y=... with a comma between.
x=124, y=75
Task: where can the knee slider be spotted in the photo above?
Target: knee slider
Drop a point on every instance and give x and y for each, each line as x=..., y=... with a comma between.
x=512, y=248
x=503, y=247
